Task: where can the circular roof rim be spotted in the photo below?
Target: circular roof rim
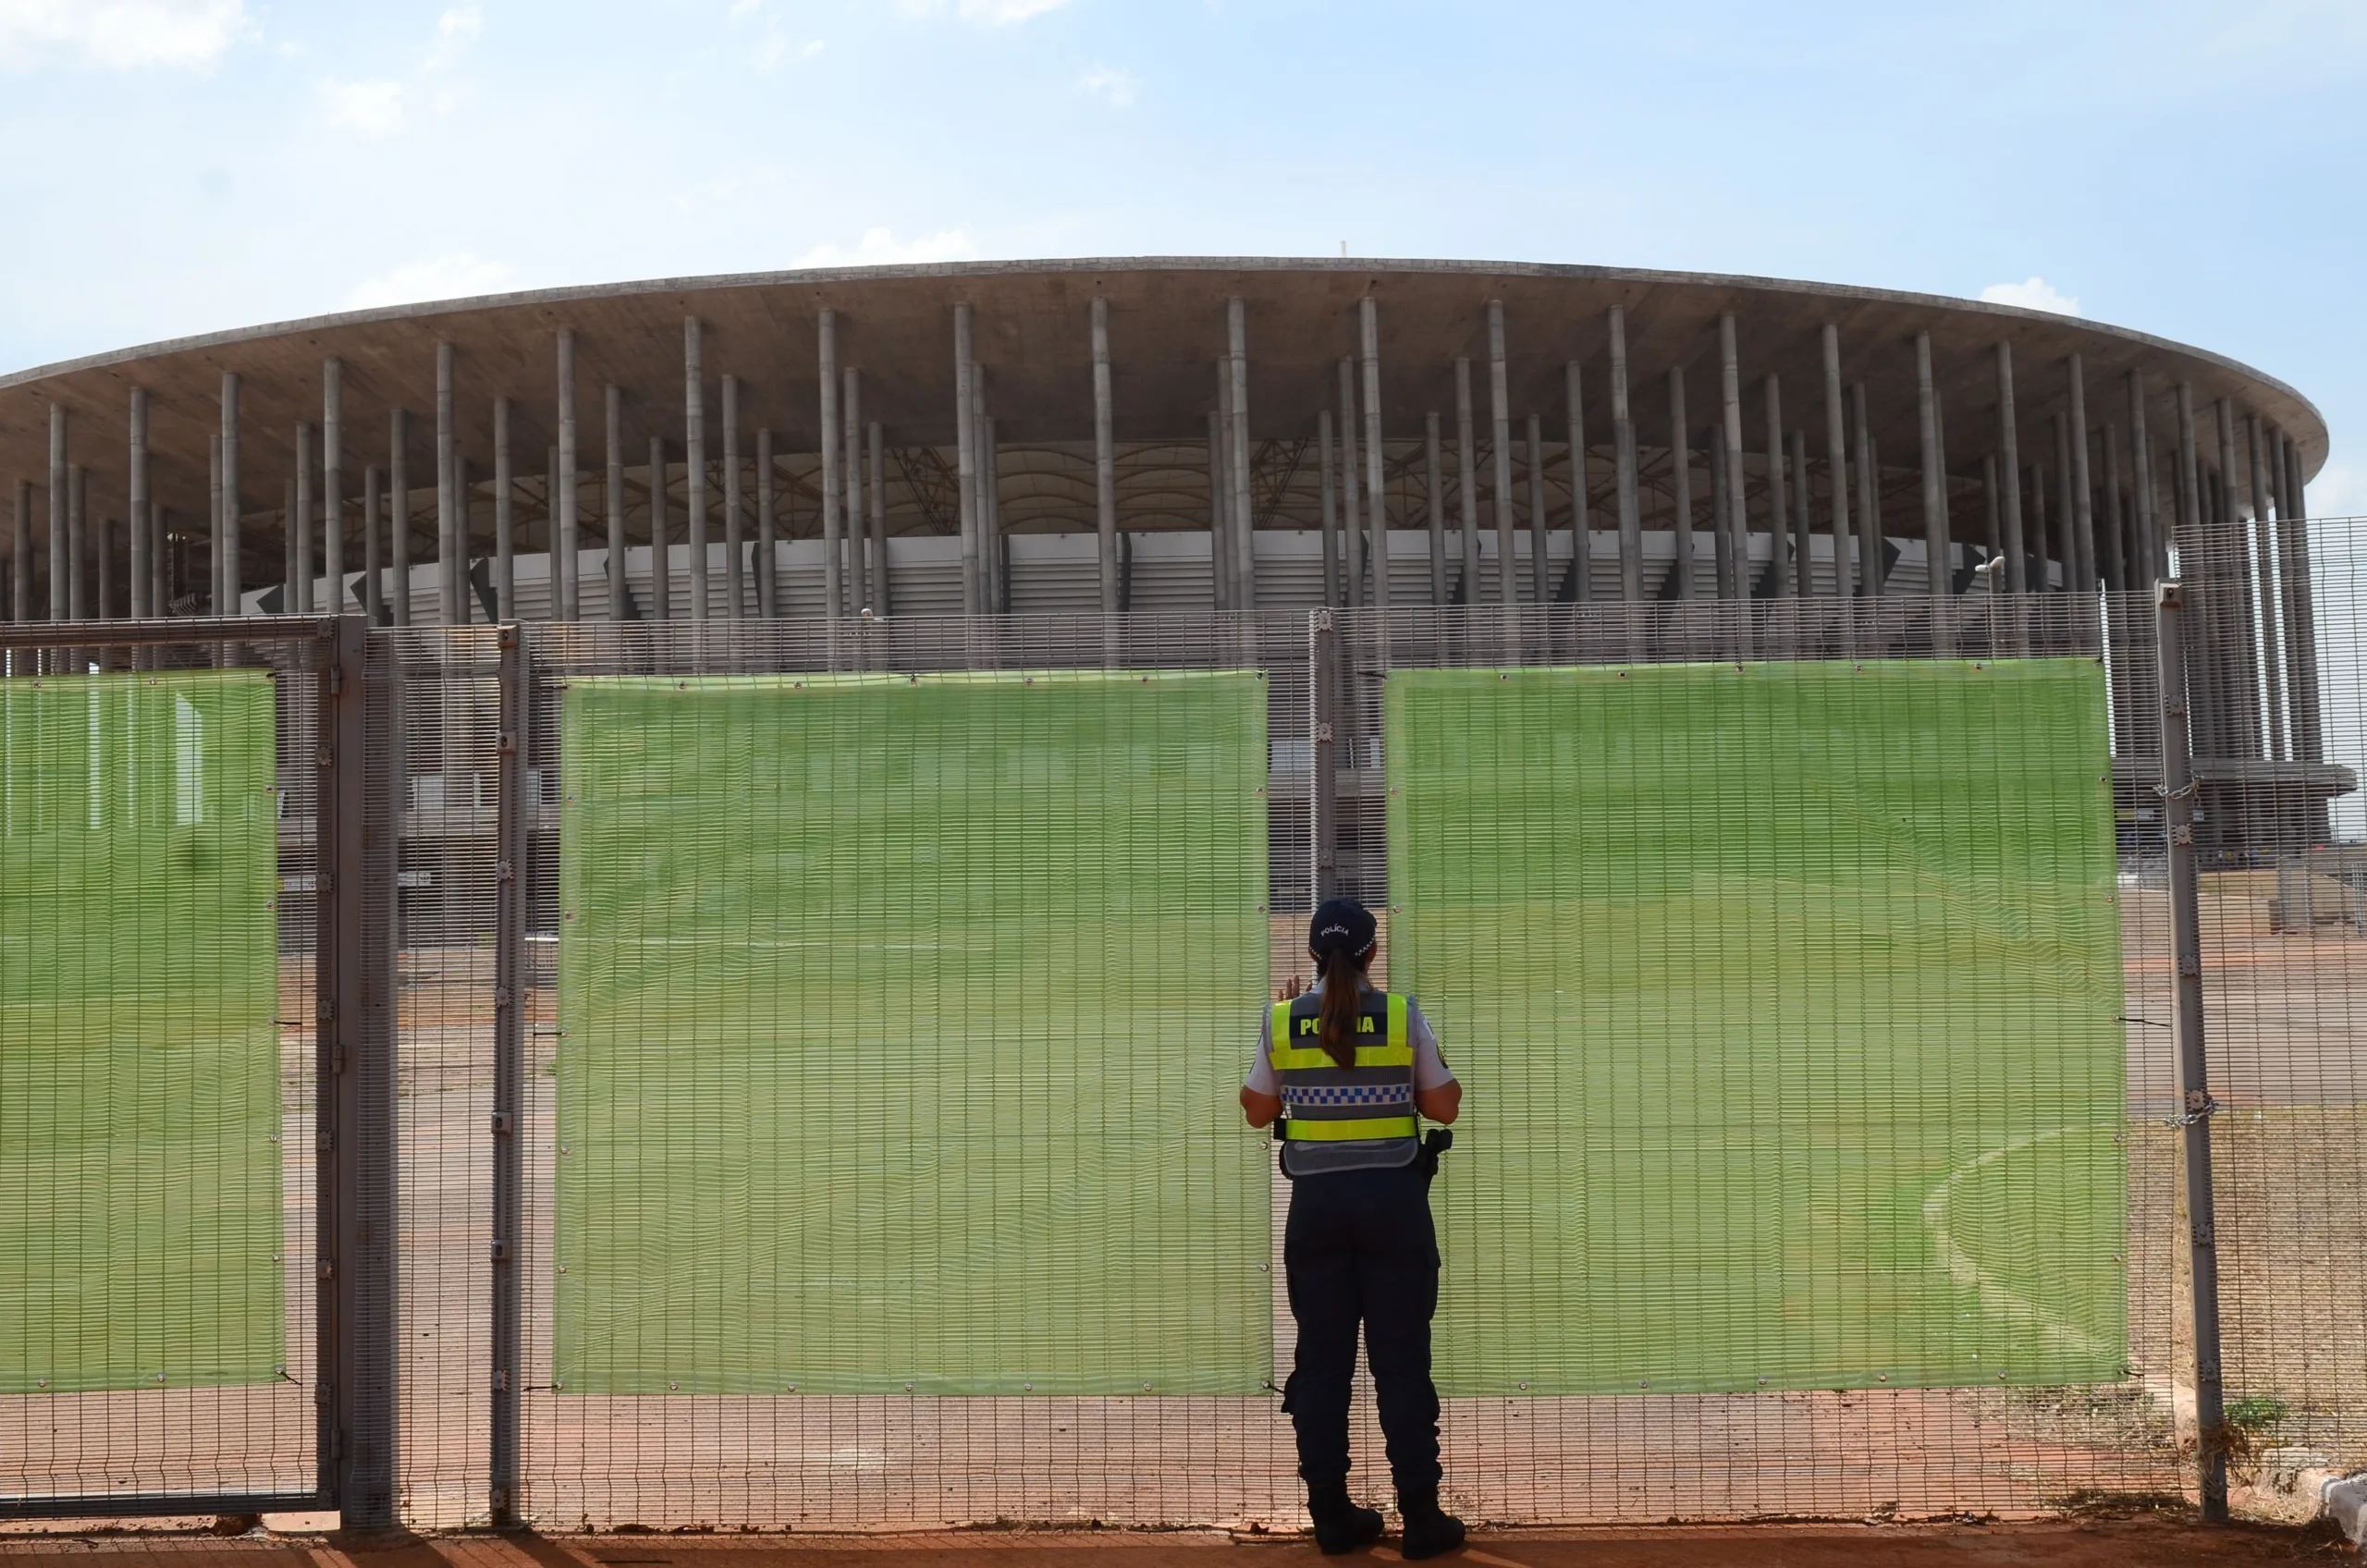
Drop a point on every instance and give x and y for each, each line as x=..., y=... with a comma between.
x=1402, y=266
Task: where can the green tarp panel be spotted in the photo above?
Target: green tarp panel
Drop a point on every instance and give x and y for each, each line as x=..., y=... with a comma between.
x=1786, y=996
x=904, y=1025
x=141, y=1211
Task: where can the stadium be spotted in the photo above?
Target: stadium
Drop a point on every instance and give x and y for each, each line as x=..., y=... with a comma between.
x=510, y=750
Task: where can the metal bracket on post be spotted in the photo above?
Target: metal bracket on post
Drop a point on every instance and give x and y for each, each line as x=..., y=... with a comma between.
x=356, y=1225
x=510, y=981
x=2193, y=1063
x=1323, y=777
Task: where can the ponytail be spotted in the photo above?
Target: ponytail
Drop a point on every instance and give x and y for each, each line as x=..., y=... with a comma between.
x=1344, y=975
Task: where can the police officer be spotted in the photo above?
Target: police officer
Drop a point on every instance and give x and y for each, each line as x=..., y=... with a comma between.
x=1356, y=1068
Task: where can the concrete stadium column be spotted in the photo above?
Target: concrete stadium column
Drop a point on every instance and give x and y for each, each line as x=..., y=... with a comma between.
x=1434, y=484
x=299, y=523
x=994, y=550
x=373, y=592
x=850, y=416
x=20, y=556
x=1467, y=471
x=1375, y=474
x=2042, y=556
x=290, y=532
x=1837, y=460
x=2082, y=513
x=103, y=565
x=464, y=534
x=2110, y=533
x=333, y=481
x=1803, y=552
x=1244, y=516
x=735, y=593
x=229, y=563
x=834, y=454
x=1223, y=561
x=1220, y=555
x=613, y=493
x=567, y=537
x=1948, y=517
x=966, y=454
x=1872, y=568
x=694, y=468
x=1325, y=458
x=550, y=523
x=2271, y=664
x=449, y=534
x=159, y=558
x=399, y=514
x=2009, y=463
x=881, y=600
x=1736, y=522
x=1623, y=438
x=2301, y=614
x=1499, y=427
x=505, y=517
x=2237, y=571
x=1581, y=536
x=767, y=527
x=1540, y=579
x=1722, y=538
x=2149, y=568
x=1352, y=537
x=1680, y=468
x=214, y=519
x=141, y=609
x=661, y=549
x=2188, y=475
x=1935, y=479
x=1783, y=568
x=2065, y=510
x=1623, y=448
x=60, y=500
x=1105, y=468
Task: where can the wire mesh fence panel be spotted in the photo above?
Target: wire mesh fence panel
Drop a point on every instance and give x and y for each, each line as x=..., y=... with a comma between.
x=1785, y=953
x=438, y=756
x=881, y=1159
x=2276, y=687
x=159, y=866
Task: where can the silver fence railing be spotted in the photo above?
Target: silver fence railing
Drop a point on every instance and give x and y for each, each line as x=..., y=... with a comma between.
x=682, y=1410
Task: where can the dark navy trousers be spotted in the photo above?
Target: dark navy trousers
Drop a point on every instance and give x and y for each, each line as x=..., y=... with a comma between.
x=1359, y=1247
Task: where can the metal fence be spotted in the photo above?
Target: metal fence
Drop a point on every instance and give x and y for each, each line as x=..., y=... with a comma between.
x=467, y=735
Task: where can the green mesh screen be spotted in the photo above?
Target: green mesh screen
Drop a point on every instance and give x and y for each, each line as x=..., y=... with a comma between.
x=902, y=1033
x=1786, y=996
x=141, y=1216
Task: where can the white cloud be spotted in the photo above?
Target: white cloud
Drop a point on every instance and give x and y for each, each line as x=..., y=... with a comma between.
x=120, y=34
x=2032, y=293
x=373, y=108
x=776, y=46
x=455, y=31
x=454, y=276
x=994, y=13
x=1114, y=87
x=880, y=247
x=2340, y=490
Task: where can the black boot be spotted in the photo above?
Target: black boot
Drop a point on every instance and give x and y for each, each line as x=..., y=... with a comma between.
x=1429, y=1529
x=1340, y=1525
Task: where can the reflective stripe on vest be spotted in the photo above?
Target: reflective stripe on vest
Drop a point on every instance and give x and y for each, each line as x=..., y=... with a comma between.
x=1370, y=1102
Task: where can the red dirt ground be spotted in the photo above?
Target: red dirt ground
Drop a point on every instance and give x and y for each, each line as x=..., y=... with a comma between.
x=2079, y=1543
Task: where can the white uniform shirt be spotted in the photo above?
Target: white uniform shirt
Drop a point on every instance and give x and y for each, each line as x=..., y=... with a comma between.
x=1430, y=1069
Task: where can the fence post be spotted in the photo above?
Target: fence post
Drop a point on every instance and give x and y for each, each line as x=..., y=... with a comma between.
x=510, y=980
x=1323, y=777
x=2195, y=1104
x=357, y=1293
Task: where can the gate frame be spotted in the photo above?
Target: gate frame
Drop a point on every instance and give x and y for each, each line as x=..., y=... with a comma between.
x=354, y=1286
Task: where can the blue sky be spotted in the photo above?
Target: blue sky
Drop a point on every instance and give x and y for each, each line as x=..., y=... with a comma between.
x=2190, y=169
